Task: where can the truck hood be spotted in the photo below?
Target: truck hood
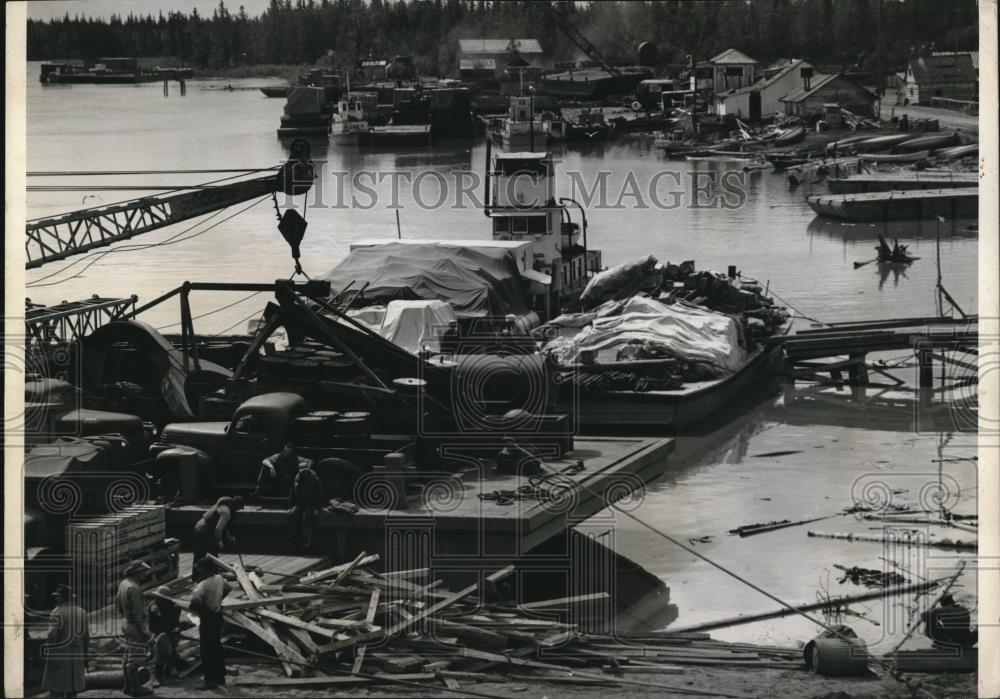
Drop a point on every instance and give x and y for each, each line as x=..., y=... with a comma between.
x=200, y=435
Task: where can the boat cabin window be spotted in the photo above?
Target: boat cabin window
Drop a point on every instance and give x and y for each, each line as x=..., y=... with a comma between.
x=512, y=166
x=519, y=225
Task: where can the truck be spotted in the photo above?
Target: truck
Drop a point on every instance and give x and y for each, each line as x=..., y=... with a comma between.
x=201, y=460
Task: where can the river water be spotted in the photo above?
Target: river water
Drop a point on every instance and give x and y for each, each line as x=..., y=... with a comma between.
x=715, y=482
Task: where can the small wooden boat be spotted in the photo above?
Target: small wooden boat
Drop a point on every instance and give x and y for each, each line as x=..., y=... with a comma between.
x=960, y=202
x=793, y=135
x=873, y=145
x=782, y=161
x=957, y=152
x=894, y=158
x=928, y=143
x=846, y=143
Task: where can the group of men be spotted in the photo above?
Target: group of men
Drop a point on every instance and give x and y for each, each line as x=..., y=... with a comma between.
x=150, y=631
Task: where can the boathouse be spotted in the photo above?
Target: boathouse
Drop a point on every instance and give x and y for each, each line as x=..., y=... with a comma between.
x=762, y=99
x=820, y=90
x=946, y=75
x=729, y=70
x=477, y=56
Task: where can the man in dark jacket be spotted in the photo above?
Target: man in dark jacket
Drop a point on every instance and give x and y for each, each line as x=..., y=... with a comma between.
x=206, y=602
x=164, y=626
x=211, y=532
x=304, y=501
x=67, y=647
x=278, y=471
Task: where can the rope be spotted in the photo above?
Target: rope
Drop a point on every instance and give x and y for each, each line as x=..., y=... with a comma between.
x=203, y=315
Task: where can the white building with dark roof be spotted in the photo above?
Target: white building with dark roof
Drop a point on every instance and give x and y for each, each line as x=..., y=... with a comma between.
x=478, y=56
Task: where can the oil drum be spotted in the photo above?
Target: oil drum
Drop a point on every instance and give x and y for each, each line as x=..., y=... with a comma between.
x=325, y=354
x=837, y=654
x=352, y=431
x=303, y=372
x=310, y=430
x=272, y=368
x=337, y=370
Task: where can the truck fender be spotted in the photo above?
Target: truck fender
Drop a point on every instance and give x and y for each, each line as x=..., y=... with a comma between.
x=165, y=467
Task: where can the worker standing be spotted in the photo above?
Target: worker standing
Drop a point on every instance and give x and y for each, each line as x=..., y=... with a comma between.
x=304, y=500
x=211, y=532
x=164, y=627
x=132, y=607
x=206, y=601
x=67, y=648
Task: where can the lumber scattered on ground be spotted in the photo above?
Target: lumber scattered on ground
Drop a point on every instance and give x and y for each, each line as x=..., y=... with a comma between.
x=347, y=624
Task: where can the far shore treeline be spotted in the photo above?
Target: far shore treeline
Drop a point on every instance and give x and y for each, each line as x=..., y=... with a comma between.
x=834, y=33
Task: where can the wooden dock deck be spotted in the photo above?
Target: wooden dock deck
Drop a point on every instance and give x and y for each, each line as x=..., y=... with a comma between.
x=450, y=518
x=900, y=181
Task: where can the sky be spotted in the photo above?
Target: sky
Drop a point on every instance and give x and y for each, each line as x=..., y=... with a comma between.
x=49, y=9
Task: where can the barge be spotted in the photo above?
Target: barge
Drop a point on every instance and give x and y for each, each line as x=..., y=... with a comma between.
x=900, y=181
x=108, y=71
x=959, y=202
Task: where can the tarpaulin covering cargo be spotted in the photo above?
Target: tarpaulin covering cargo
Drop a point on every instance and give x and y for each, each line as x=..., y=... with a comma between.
x=620, y=281
x=680, y=330
x=414, y=325
x=477, y=282
x=305, y=100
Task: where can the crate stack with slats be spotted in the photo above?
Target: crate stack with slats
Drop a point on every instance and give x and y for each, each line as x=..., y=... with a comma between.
x=101, y=547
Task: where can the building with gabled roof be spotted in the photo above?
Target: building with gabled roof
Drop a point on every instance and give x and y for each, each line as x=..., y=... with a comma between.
x=763, y=98
x=951, y=75
x=729, y=70
x=809, y=100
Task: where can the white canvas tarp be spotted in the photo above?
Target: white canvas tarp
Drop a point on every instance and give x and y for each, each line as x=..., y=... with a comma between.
x=681, y=330
x=414, y=325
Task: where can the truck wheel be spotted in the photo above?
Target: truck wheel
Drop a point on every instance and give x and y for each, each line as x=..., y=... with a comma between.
x=338, y=477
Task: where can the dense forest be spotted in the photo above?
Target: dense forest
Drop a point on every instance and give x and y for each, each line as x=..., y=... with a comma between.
x=828, y=32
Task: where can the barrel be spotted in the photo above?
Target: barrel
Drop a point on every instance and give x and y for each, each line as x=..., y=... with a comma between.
x=303, y=371
x=327, y=354
x=337, y=370
x=273, y=368
x=310, y=430
x=352, y=431
x=328, y=417
x=837, y=657
x=409, y=387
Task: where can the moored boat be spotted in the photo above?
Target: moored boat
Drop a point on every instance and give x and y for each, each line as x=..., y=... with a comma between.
x=791, y=136
x=900, y=181
x=929, y=142
x=894, y=158
x=878, y=143
x=961, y=202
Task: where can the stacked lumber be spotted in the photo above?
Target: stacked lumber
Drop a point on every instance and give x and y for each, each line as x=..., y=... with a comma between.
x=100, y=547
x=347, y=625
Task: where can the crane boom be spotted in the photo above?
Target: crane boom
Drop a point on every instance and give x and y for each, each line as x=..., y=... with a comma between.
x=562, y=20
x=59, y=237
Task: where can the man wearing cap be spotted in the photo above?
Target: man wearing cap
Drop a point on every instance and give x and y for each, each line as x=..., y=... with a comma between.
x=211, y=532
x=278, y=471
x=164, y=626
x=206, y=601
x=949, y=625
x=67, y=647
x=304, y=500
x=132, y=607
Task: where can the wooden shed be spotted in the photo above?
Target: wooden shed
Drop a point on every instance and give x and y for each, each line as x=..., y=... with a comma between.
x=810, y=99
x=948, y=75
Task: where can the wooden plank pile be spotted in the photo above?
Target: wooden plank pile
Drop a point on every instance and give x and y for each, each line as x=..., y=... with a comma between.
x=346, y=625
x=99, y=549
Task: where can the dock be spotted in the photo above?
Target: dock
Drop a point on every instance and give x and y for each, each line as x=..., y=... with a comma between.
x=901, y=181
x=958, y=202
x=456, y=518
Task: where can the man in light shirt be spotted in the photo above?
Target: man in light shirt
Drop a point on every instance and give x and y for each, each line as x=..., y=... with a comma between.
x=206, y=601
x=132, y=607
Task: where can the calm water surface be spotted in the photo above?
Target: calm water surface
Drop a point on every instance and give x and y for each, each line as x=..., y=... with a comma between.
x=716, y=482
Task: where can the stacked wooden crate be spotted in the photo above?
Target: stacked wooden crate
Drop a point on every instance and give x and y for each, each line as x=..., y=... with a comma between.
x=101, y=547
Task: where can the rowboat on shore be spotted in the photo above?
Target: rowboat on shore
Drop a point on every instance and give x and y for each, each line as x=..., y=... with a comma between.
x=879, y=143
x=894, y=158
x=927, y=143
